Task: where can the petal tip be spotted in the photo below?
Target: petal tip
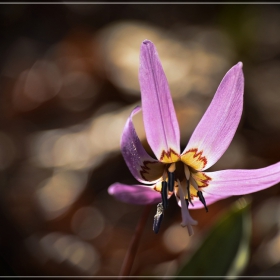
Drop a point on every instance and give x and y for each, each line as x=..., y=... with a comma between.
x=147, y=42
x=135, y=110
x=239, y=65
x=147, y=45
x=111, y=189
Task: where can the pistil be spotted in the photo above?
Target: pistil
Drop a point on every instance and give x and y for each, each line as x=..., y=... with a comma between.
x=187, y=220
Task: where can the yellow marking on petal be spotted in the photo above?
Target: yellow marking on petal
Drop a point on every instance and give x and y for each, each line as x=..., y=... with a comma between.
x=193, y=191
x=201, y=179
x=169, y=157
x=194, y=159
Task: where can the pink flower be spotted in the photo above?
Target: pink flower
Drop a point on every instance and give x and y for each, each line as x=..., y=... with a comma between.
x=182, y=174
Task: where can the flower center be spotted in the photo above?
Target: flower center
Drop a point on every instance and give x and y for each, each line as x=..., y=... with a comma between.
x=180, y=179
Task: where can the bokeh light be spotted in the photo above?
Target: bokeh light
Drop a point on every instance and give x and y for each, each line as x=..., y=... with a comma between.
x=88, y=223
x=59, y=192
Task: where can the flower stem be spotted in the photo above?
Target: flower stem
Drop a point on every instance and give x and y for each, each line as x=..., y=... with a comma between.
x=131, y=252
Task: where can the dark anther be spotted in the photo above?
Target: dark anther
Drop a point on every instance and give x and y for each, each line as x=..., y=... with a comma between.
x=187, y=202
x=158, y=218
x=171, y=181
x=189, y=194
x=202, y=199
x=164, y=194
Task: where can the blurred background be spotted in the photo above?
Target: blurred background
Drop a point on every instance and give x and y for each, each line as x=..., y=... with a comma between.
x=69, y=82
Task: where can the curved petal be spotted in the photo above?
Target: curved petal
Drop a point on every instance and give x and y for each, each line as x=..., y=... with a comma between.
x=217, y=127
x=160, y=121
x=135, y=194
x=242, y=181
x=144, y=168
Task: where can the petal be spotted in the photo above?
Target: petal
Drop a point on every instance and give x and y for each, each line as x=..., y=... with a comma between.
x=143, y=167
x=239, y=182
x=135, y=194
x=217, y=127
x=160, y=121
x=209, y=198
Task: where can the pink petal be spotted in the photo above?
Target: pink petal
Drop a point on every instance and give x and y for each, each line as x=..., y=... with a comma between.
x=135, y=194
x=143, y=167
x=160, y=121
x=209, y=198
x=239, y=182
x=217, y=127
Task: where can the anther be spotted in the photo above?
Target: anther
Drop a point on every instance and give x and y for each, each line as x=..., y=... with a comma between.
x=171, y=180
x=202, y=199
x=164, y=194
x=158, y=218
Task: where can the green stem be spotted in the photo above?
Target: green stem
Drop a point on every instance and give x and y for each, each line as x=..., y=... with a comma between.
x=131, y=252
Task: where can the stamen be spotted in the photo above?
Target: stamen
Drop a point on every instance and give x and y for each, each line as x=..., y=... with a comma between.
x=170, y=173
x=172, y=167
x=202, y=199
x=171, y=180
x=164, y=176
x=158, y=218
x=164, y=194
x=187, y=220
x=194, y=183
x=188, y=190
x=187, y=172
